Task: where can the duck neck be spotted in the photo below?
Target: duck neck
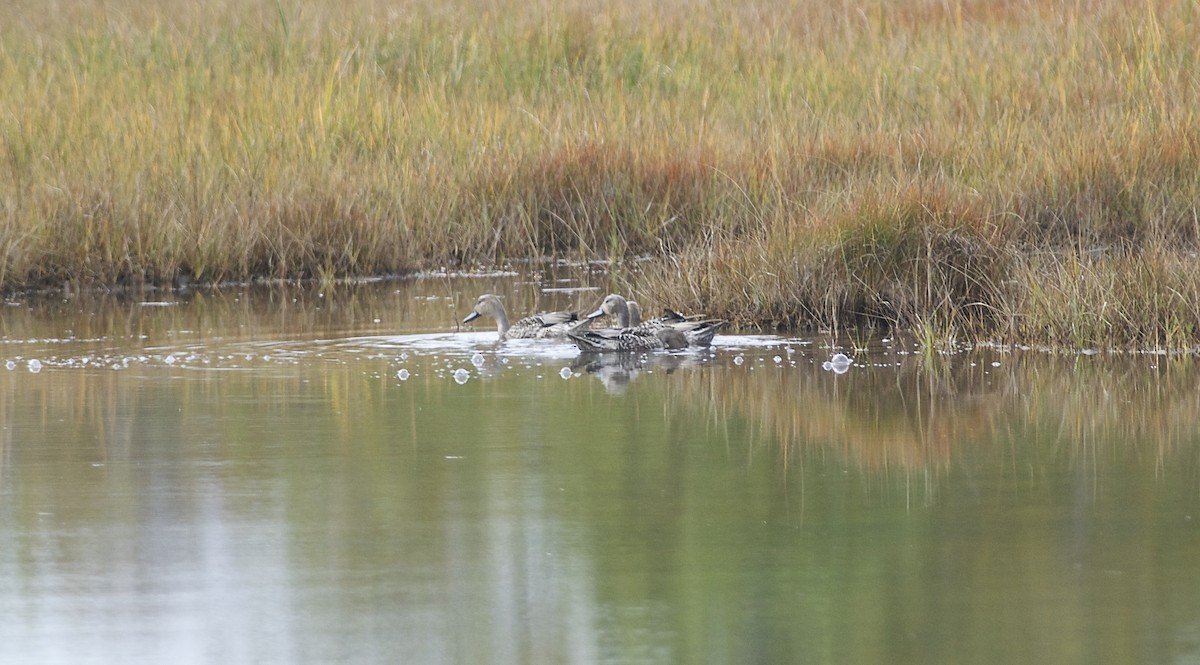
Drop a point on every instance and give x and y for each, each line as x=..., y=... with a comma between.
x=635, y=314
x=502, y=321
x=621, y=311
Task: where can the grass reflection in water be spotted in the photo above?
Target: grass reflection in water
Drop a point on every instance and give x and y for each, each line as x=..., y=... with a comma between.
x=731, y=505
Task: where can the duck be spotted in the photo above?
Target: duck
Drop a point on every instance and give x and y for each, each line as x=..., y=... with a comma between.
x=617, y=307
x=628, y=340
x=697, y=330
x=538, y=326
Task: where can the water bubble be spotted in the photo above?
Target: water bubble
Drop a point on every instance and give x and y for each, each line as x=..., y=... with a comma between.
x=402, y=375
x=35, y=366
x=10, y=365
x=777, y=360
x=170, y=359
x=838, y=364
x=738, y=360
x=461, y=375
x=565, y=372
x=995, y=363
x=404, y=356
x=477, y=359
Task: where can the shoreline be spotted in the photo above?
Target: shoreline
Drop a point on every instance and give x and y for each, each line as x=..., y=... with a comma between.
x=855, y=327
x=1026, y=172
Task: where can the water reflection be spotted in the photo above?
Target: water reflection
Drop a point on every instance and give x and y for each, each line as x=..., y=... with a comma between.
x=616, y=371
x=288, y=475
x=903, y=411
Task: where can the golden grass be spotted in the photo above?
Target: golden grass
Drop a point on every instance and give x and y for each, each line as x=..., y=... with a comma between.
x=949, y=164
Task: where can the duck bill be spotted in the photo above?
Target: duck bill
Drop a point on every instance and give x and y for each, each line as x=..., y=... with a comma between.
x=595, y=314
x=472, y=316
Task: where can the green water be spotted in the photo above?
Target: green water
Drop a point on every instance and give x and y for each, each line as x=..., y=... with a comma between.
x=242, y=476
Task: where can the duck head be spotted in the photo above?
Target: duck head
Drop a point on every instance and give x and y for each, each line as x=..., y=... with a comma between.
x=487, y=305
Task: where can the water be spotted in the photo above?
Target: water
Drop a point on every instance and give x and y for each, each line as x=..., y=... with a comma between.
x=285, y=475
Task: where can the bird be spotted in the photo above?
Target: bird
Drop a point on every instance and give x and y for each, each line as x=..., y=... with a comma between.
x=617, y=307
x=538, y=326
x=629, y=339
x=697, y=330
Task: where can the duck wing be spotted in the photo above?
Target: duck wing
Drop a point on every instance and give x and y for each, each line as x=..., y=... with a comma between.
x=628, y=339
x=546, y=324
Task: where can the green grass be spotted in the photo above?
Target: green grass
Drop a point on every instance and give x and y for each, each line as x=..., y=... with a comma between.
x=984, y=170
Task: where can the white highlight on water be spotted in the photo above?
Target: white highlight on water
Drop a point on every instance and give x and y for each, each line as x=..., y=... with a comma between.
x=838, y=364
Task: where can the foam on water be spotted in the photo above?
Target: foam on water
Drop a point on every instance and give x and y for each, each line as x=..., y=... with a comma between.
x=758, y=342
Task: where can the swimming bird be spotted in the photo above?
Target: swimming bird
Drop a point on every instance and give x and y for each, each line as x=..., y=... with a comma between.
x=629, y=339
x=697, y=330
x=618, y=308
x=538, y=326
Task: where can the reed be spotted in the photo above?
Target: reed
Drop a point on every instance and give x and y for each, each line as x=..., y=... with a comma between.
x=944, y=165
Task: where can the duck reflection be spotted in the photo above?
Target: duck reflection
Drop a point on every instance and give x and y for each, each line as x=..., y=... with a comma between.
x=617, y=370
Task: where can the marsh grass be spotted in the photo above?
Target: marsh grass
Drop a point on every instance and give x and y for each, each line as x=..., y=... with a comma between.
x=978, y=169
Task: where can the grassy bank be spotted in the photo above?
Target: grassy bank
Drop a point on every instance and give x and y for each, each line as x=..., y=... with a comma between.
x=1012, y=170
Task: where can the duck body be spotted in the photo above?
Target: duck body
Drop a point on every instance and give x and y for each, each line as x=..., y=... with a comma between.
x=542, y=326
x=629, y=340
x=698, y=332
x=665, y=329
x=538, y=326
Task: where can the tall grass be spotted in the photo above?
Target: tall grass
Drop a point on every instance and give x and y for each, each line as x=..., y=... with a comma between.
x=981, y=168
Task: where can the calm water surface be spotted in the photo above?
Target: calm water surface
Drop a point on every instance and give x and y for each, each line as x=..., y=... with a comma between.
x=275, y=474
